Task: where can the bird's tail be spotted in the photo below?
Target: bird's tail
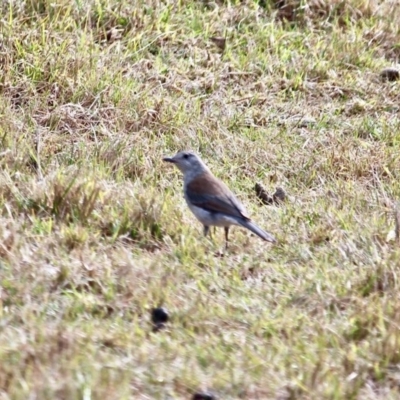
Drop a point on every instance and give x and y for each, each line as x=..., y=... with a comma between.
x=258, y=231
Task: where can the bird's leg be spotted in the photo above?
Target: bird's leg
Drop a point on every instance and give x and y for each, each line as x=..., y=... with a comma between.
x=226, y=228
x=206, y=230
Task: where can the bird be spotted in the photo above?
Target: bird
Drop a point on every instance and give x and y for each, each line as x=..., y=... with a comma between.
x=210, y=200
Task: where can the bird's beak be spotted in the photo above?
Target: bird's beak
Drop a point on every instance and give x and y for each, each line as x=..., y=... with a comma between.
x=169, y=159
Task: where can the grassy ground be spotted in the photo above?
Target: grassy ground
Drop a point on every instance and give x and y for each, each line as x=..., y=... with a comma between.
x=94, y=231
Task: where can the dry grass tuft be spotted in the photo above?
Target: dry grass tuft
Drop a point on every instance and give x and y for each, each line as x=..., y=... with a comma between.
x=95, y=233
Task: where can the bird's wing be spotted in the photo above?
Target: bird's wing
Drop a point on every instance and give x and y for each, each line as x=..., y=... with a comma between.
x=209, y=193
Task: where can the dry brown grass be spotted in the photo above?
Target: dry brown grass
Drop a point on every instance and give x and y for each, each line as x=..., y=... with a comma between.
x=94, y=232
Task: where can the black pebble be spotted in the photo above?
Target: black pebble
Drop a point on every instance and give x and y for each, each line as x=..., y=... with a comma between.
x=159, y=315
x=390, y=74
x=203, y=396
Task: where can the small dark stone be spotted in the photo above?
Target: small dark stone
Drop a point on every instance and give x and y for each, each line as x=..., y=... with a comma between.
x=203, y=396
x=159, y=315
x=390, y=74
x=220, y=42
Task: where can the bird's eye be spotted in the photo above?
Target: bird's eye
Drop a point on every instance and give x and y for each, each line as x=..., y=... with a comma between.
x=186, y=156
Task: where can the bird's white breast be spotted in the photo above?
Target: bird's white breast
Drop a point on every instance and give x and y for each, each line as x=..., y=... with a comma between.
x=211, y=218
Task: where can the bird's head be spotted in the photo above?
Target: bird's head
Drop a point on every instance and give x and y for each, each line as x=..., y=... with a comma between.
x=187, y=162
